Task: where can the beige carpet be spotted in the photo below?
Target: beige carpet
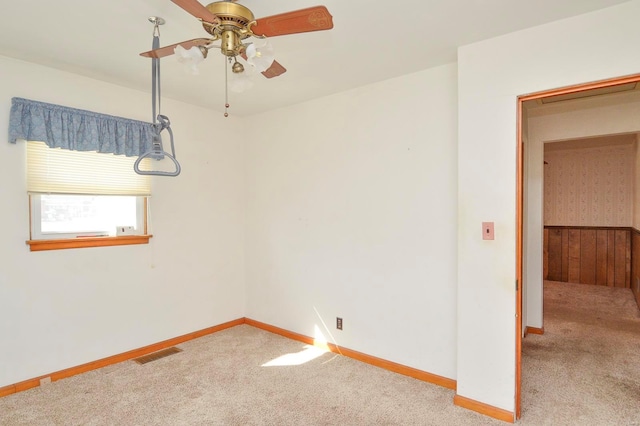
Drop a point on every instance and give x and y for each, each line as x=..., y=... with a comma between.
x=221, y=380
x=585, y=369
x=246, y=376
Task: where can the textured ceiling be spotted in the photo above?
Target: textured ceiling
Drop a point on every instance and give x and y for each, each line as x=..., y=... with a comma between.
x=371, y=41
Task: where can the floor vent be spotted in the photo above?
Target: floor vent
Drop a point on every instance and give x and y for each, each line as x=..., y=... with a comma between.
x=157, y=355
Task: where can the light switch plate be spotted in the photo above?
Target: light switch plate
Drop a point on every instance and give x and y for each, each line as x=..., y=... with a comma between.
x=487, y=231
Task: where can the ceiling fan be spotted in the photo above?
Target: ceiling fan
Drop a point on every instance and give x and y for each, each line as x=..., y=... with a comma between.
x=231, y=23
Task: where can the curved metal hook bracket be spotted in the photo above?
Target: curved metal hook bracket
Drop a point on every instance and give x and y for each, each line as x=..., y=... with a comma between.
x=161, y=122
x=154, y=154
x=158, y=153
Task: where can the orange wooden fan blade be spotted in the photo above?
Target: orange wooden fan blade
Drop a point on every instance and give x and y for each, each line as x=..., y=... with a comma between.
x=274, y=70
x=299, y=21
x=196, y=8
x=168, y=50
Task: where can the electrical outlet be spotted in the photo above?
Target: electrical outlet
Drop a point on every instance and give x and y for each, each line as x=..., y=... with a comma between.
x=125, y=230
x=339, y=323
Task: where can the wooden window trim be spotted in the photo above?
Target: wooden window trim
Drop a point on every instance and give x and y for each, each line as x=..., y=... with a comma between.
x=87, y=242
x=42, y=245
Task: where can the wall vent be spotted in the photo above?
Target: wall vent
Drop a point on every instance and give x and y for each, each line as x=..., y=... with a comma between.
x=157, y=355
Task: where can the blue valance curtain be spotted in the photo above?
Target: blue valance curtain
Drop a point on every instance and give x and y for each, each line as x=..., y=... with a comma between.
x=79, y=130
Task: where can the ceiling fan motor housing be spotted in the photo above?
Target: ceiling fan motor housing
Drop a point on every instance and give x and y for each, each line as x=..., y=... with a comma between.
x=232, y=29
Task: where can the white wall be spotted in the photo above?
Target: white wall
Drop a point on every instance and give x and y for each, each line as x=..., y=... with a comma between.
x=352, y=213
x=67, y=307
x=616, y=114
x=492, y=74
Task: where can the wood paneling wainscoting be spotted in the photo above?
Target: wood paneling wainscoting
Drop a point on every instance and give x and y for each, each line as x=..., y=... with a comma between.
x=589, y=255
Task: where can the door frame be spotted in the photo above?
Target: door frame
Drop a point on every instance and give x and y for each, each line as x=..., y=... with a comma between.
x=635, y=78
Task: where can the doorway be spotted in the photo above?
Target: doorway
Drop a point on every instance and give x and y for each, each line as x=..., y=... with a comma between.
x=532, y=286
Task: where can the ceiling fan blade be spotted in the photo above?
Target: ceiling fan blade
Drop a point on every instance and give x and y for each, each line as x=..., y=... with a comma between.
x=274, y=70
x=168, y=50
x=298, y=21
x=196, y=8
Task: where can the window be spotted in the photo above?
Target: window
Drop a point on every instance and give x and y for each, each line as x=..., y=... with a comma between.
x=71, y=216
x=84, y=199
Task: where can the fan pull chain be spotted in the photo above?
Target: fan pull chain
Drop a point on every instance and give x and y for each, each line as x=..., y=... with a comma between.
x=226, y=89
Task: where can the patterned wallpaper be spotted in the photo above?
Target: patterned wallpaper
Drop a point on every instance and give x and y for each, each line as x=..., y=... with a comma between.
x=589, y=186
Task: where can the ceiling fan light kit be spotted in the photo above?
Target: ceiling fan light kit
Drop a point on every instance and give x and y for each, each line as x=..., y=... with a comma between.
x=231, y=23
x=260, y=55
x=239, y=82
x=190, y=58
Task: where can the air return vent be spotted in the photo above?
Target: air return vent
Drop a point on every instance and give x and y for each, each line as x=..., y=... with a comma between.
x=157, y=355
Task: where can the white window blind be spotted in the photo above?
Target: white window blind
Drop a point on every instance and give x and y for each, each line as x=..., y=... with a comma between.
x=61, y=171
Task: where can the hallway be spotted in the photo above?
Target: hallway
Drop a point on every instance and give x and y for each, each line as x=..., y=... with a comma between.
x=585, y=369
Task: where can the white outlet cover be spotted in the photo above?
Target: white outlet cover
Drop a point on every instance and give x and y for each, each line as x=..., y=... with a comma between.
x=125, y=230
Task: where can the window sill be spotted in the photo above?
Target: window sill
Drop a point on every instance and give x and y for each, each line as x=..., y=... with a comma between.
x=41, y=245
